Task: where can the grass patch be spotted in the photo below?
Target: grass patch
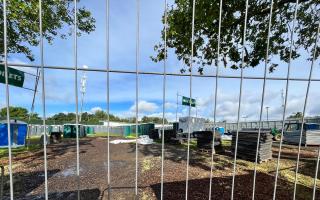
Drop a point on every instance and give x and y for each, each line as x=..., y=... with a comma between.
x=286, y=171
x=146, y=165
x=132, y=136
x=226, y=143
x=192, y=143
x=19, y=150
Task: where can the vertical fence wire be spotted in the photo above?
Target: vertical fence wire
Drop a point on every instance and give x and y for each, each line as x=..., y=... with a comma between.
x=5, y=49
x=108, y=93
x=239, y=103
x=303, y=114
x=215, y=99
x=164, y=96
x=262, y=101
x=190, y=100
x=316, y=176
x=285, y=100
x=43, y=103
x=76, y=93
x=137, y=91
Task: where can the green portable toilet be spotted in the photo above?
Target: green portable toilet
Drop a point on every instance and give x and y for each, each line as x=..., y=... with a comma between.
x=144, y=129
x=133, y=130
x=70, y=130
x=89, y=130
x=126, y=131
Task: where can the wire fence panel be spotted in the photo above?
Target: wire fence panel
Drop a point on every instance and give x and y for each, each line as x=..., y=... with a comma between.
x=44, y=128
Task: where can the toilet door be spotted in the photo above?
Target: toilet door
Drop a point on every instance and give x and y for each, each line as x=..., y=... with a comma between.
x=15, y=134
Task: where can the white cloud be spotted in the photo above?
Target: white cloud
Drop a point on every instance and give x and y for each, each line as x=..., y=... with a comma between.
x=95, y=109
x=170, y=105
x=144, y=106
x=171, y=117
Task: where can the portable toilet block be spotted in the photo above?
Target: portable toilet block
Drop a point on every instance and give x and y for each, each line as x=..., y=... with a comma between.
x=18, y=134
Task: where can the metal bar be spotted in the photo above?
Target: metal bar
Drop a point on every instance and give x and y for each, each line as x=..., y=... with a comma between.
x=285, y=102
x=108, y=94
x=29, y=89
x=1, y=182
x=177, y=107
x=190, y=91
x=161, y=74
x=137, y=90
x=43, y=103
x=32, y=104
x=215, y=100
x=262, y=101
x=76, y=93
x=164, y=95
x=7, y=93
x=240, y=98
x=304, y=112
x=316, y=176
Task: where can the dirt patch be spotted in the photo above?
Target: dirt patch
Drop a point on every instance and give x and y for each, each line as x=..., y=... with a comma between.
x=62, y=173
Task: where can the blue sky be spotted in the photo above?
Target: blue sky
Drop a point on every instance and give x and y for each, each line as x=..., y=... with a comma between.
x=91, y=52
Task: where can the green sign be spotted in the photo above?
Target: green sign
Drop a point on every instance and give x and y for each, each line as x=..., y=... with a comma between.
x=186, y=101
x=15, y=78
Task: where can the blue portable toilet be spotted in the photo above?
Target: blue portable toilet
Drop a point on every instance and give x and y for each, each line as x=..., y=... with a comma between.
x=220, y=130
x=18, y=131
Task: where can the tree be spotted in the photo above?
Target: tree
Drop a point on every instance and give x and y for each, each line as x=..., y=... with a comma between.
x=18, y=113
x=232, y=25
x=296, y=115
x=23, y=26
x=101, y=115
x=156, y=120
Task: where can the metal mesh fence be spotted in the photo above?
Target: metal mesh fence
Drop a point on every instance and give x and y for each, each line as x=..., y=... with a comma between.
x=37, y=130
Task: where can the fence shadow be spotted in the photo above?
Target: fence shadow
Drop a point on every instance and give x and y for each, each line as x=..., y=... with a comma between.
x=25, y=182
x=92, y=194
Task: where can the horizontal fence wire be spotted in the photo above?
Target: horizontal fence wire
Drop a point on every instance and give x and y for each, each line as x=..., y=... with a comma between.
x=160, y=73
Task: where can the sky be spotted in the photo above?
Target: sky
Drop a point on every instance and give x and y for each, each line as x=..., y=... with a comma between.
x=59, y=84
